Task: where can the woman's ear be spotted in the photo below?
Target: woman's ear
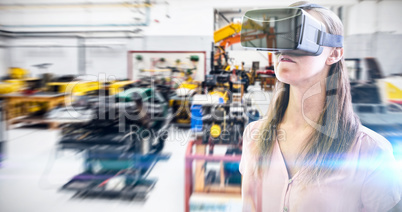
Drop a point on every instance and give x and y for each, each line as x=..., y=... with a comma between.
x=335, y=56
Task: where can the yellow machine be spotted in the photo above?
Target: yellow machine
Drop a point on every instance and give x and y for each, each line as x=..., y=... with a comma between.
x=77, y=88
x=191, y=85
x=181, y=103
x=227, y=31
x=223, y=38
x=391, y=87
x=17, y=80
x=18, y=73
x=10, y=86
x=222, y=93
x=215, y=130
x=115, y=87
x=18, y=89
x=394, y=92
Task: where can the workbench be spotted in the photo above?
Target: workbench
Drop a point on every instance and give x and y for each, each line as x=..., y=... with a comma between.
x=18, y=104
x=267, y=82
x=195, y=185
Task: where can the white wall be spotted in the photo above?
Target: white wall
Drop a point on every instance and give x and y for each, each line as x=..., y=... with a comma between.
x=26, y=52
x=3, y=58
x=107, y=56
x=171, y=17
x=179, y=26
x=188, y=25
x=369, y=17
x=102, y=55
x=374, y=29
x=387, y=48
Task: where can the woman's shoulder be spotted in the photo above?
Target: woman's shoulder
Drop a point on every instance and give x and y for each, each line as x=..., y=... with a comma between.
x=372, y=142
x=373, y=150
x=382, y=186
x=253, y=130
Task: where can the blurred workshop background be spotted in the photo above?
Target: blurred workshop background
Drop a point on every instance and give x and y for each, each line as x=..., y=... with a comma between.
x=140, y=105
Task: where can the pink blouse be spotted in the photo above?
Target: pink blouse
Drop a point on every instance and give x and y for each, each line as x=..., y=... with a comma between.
x=366, y=182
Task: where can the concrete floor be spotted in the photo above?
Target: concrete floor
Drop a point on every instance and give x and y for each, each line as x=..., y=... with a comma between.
x=34, y=171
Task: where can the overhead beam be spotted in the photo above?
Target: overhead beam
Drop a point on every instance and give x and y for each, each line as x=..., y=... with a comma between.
x=73, y=5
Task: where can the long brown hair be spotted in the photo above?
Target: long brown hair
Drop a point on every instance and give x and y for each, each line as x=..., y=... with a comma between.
x=337, y=124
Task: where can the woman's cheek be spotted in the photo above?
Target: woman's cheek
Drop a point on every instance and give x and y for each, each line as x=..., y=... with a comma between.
x=280, y=77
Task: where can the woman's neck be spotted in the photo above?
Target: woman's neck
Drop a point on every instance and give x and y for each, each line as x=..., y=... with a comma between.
x=305, y=105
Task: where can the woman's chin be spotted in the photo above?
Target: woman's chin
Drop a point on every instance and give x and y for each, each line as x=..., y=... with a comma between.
x=284, y=78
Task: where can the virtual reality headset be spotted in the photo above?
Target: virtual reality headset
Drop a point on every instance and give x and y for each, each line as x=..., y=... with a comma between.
x=289, y=30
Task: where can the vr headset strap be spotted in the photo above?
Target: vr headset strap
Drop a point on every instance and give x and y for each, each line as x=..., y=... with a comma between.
x=330, y=40
x=309, y=6
x=325, y=39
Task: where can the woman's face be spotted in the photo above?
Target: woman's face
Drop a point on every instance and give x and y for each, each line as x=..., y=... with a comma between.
x=302, y=70
x=295, y=70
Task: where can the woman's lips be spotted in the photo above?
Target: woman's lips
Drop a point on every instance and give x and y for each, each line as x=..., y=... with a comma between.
x=285, y=58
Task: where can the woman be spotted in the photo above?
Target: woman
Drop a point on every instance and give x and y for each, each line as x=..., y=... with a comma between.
x=311, y=153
